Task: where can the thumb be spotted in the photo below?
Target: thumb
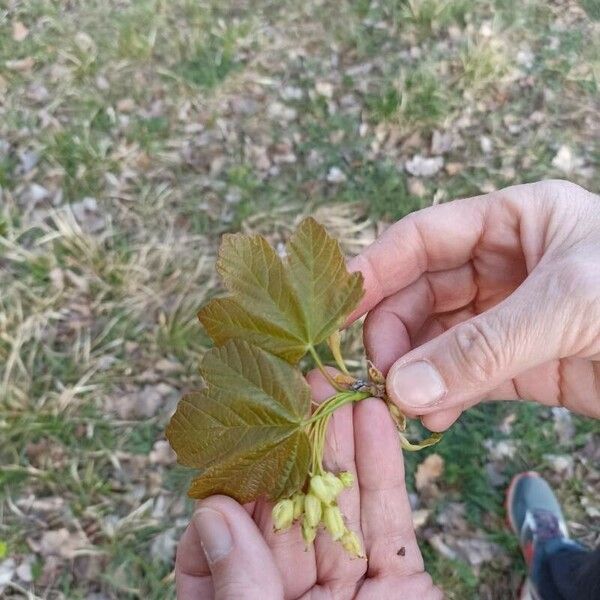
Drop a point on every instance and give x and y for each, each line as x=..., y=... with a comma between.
x=461, y=366
x=238, y=557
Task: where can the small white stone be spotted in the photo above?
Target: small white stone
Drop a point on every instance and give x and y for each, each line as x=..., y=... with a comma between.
x=566, y=160
x=486, y=144
x=290, y=92
x=324, y=88
x=336, y=175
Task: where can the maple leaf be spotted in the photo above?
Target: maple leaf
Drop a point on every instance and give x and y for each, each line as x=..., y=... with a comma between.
x=246, y=429
x=284, y=305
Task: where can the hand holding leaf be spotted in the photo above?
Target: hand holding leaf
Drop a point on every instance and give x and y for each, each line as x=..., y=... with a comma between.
x=250, y=431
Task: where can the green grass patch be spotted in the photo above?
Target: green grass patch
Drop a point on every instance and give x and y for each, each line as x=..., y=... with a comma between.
x=456, y=577
x=149, y=132
x=592, y=8
x=382, y=188
x=84, y=159
x=416, y=99
x=210, y=62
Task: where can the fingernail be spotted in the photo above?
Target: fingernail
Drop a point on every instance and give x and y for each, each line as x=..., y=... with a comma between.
x=214, y=533
x=417, y=384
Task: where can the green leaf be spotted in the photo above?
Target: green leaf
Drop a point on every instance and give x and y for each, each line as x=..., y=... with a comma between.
x=283, y=305
x=245, y=429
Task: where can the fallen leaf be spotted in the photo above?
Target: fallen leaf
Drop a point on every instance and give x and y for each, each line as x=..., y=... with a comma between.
x=85, y=43
x=89, y=216
x=416, y=187
x=23, y=571
x=501, y=449
x=439, y=545
x=563, y=424
x=21, y=65
x=280, y=112
x=35, y=194
x=165, y=365
x=45, y=453
x=441, y=142
x=477, y=551
x=7, y=572
x=420, y=517
x=429, y=471
x=19, y=31
x=89, y=567
x=59, y=542
x=453, y=168
x=494, y=475
x=139, y=404
x=163, y=546
x=452, y=517
x=324, y=88
x=162, y=454
x=420, y=166
x=126, y=105
x=561, y=464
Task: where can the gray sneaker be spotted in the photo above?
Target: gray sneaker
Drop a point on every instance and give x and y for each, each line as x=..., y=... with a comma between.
x=535, y=516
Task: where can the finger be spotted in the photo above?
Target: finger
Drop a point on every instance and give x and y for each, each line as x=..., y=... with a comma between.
x=296, y=563
x=434, y=239
x=337, y=571
x=400, y=587
x=192, y=574
x=392, y=327
x=474, y=357
x=240, y=562
x=385, y=509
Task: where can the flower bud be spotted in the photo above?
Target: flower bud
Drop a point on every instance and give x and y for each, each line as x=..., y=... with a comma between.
x=352, y=544
x=346, y=478
x=308, y=533
x=298, y=500
x=332, y=518
x=283, y=514
x=335, y=484
x=312, y=510
x=320, y=488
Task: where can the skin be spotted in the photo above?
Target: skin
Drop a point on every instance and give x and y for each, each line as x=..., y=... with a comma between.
x=264, y=565
x=500, y=295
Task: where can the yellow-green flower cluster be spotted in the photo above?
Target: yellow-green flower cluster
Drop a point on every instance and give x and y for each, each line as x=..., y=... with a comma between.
x=319, y=507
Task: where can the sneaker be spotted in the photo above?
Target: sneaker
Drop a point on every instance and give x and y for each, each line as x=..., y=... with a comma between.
x=535, y=517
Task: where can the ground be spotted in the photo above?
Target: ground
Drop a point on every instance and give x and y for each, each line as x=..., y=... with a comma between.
x=134, y=132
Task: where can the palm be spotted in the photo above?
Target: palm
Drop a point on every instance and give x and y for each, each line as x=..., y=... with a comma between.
x=362, y=440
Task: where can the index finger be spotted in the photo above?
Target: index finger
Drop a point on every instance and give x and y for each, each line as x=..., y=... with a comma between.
x=433, y=239
x=386, y=516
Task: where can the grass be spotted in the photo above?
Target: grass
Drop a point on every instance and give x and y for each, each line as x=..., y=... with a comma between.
x=183, y=120
x=416, y=101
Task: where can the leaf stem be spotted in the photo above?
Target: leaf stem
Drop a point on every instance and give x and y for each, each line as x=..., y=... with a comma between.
x=332, y=404
x=323, y=370
x=318, y=424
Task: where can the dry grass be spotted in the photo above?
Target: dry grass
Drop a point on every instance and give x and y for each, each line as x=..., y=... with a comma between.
x=133, y=133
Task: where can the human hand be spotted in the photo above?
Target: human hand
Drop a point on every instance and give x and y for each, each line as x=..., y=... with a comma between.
x=244, y=558
x=492, y=297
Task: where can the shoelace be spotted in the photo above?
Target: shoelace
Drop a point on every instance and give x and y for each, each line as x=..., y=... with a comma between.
x=547, y=526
